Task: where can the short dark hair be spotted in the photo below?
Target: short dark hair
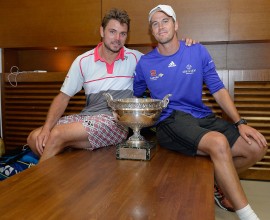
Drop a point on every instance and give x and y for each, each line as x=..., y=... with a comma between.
x=116, y=14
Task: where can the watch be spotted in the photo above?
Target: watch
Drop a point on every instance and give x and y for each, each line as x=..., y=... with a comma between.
x=240, y=122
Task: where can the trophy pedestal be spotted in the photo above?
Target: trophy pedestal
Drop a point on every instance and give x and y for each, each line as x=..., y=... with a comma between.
x=136, y=150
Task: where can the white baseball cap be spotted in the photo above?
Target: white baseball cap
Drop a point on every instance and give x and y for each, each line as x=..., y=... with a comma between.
x=164, y=8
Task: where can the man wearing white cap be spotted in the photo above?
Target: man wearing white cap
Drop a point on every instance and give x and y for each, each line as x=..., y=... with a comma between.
x=187, y=125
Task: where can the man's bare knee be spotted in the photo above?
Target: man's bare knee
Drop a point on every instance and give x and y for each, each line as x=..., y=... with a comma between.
x=256, y=153
x=31, y=140
x=56, y=140
x=216, y=145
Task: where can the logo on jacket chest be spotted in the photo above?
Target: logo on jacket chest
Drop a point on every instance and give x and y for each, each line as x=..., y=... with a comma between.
x=189, y=69
x=154, y=75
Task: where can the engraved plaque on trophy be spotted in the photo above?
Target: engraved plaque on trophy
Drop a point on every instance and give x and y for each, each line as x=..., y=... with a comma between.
x=137, y=113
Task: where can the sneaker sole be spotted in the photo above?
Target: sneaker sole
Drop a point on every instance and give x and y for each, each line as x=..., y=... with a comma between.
x=221, y=206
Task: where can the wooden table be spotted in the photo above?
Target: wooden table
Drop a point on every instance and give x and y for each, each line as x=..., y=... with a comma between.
x=81, y=184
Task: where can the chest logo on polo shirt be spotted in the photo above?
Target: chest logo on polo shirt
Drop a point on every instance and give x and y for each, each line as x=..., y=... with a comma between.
x=189, y=69
x=172, y=64
x=154, y=75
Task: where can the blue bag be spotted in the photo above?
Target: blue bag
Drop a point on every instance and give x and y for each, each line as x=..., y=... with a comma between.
x=15, y=163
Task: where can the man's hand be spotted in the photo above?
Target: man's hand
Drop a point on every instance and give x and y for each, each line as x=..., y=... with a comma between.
x=41, y=140
x=189, y=41
x=246, y=132
x=116, y=116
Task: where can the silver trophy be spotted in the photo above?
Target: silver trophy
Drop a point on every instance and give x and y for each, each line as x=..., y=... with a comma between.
x=136, y=113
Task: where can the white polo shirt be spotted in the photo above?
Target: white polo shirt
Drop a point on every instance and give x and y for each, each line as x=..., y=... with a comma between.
x=96, y=76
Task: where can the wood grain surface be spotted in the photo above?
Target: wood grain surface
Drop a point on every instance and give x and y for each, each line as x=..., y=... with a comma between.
x=95, y=185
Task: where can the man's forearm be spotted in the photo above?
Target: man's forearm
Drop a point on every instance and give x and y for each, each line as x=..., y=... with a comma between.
x=56, y=110
x=224, y=100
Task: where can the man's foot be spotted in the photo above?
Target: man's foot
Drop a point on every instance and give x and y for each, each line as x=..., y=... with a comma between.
x=221, y=200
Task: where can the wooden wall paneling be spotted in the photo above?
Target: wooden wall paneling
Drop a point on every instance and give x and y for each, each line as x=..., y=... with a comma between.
x=202, y=20
x=51, y=60
x=67, y=23
x=249, y=20
x=9, y=59
x=142, y=48
x=138, y=13
x=248, y=56
x=250, y=90
x=219, y=54
x=25, y=106
x=28, y=23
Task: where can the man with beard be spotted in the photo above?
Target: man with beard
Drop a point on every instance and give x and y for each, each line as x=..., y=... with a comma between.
x=107, y=68
x=187, y=125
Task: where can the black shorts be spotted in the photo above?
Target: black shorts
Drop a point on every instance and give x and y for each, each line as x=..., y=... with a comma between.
x=182, y=132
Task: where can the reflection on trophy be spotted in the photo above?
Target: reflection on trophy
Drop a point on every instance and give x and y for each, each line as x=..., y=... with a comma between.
x=136, y=113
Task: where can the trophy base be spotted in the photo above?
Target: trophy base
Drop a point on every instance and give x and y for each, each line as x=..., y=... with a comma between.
x=136, y=150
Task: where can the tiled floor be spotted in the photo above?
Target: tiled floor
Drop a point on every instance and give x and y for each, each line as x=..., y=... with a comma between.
x=258, y=193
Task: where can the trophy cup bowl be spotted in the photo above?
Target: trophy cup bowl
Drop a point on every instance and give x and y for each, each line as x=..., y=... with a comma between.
x=136, y=113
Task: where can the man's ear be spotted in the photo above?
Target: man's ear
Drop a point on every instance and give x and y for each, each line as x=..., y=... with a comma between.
x=176, y=25
x=101, y=31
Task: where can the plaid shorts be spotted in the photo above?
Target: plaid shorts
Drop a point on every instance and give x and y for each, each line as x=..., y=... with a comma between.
x=103, y=130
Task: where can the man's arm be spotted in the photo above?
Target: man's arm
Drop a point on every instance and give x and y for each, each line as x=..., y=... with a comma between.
x=56, y=110
x=224, y=100
x=139, y=84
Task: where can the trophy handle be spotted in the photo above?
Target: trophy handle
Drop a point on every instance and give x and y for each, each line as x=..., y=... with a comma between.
x=109, y=99
x=165, y=101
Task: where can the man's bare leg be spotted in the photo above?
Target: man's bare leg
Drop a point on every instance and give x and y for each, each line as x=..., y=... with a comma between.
x=61, y=136
x=217, y=147
x=246, y=155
